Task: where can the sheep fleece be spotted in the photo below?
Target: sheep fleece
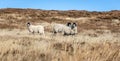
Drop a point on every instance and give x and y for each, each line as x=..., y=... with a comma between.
x=38, y=28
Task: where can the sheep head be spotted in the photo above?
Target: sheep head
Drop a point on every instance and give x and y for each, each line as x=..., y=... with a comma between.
x=69, y=24
x=28, y=23
x=73, y=25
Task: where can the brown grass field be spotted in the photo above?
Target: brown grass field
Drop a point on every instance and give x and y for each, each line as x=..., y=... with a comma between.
x=98, y=37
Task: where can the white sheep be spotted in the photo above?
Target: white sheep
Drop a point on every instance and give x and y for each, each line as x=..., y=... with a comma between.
x=60, y=28
x=35, y=28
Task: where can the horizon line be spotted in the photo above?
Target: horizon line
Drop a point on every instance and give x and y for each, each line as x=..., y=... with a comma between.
x=63, y=9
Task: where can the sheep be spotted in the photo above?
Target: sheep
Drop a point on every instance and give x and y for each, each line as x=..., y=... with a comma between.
x=60, y=28
x=74, y=29
x=35, y=28
x=71, y=29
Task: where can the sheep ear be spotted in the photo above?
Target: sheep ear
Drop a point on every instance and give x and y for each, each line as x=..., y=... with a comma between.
x=68, y=24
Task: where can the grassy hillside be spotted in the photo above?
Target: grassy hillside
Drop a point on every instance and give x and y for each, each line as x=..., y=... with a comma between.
x=98, y=37
x=17, y=18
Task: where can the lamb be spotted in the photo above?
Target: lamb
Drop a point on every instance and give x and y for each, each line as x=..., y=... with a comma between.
x=60, y=28
x=35, y=28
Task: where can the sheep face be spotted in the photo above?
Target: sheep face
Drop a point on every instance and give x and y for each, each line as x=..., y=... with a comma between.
x=28, y=24
x=73, y=25
x=74, y=29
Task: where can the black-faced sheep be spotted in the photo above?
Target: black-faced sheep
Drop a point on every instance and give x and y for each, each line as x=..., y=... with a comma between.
x=35, y=28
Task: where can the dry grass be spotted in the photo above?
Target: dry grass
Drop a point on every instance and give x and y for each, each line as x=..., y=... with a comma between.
x=19, y=45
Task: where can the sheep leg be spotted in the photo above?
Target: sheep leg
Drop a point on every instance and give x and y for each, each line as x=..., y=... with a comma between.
x=55, y=32
x=38, y=32
x=33, y=32
x=65, y=34
x=41, y=32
